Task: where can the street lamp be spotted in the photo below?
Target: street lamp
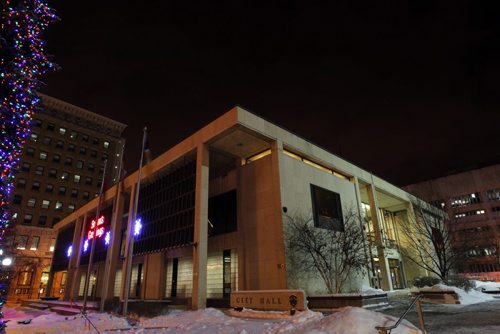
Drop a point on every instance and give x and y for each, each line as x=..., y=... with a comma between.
x=7, y=261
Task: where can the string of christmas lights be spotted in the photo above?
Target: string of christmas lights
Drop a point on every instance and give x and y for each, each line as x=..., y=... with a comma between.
x=22, y=61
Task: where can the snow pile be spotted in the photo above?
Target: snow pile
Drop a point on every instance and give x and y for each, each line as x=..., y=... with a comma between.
x=466, y=298
x=55, y=323
x=368, y=291
x=487, y=286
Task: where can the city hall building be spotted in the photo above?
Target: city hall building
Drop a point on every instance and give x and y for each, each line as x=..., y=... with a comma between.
x=213, y=214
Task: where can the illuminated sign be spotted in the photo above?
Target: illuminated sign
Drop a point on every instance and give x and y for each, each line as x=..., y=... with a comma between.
x=96, y=228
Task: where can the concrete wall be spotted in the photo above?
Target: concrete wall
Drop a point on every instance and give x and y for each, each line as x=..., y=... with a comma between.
x=296, y=180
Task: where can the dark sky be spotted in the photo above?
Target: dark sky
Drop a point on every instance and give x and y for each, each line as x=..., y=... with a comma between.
x=406, y=89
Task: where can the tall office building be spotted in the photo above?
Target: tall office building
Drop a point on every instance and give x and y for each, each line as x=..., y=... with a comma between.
x=472, y=201
x=61, y=169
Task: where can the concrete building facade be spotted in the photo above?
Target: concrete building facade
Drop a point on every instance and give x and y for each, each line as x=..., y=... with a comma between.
x=212, y=211
x=472, y=201
x=60, y=170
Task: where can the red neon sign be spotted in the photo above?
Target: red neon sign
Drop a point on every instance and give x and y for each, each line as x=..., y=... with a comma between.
x=96, y=228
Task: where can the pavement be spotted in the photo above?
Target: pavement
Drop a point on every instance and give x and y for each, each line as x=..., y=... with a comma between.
x=481, y=318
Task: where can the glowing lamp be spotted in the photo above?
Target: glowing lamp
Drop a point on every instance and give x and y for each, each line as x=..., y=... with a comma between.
x=69, y=251
x=137, y=227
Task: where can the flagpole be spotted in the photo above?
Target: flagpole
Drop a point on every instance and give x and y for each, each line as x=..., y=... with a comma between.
x=114, y=218
x=130, y=229
x=98, y=212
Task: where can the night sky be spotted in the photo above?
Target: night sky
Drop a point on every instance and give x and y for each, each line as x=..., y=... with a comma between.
x=406, y=89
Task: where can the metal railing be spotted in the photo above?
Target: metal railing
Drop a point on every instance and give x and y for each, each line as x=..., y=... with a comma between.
x=418, y=306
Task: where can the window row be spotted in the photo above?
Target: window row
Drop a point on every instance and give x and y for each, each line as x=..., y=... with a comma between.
x=493, y=194
x=43, y=155
x=32, y=243
x=49, y=188
x=469, y=213
x=39, y=170
x=44, y=204
x=28, y=219
x=464, y=200
x=72, y=134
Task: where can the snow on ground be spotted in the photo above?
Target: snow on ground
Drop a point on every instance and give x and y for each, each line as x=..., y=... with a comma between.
x=466, y=298
x=347, y=320
x=487, y=286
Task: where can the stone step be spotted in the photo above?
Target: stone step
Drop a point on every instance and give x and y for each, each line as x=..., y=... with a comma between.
x=38, y=306
x=65, y=310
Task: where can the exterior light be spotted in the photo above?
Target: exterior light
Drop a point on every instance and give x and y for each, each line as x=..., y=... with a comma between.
x=69, y=251
x=7, y=261
x=137, y=227
x=86, y=245
x=107, y=238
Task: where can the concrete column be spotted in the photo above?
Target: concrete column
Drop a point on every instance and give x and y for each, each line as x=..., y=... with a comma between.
x=199, y=296
x=386, y=283
x=113, y=252
x=72, y=282
x=370, y=270
x=129, y=231
x=279, y=250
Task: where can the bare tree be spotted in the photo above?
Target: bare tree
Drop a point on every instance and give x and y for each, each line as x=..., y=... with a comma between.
x=429, y=241
x=332, y=255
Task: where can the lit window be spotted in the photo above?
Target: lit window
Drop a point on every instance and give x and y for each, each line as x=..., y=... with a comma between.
x=76, y=178
x=65, y=176
x=45, y=204
x=34, y=137
x=35, y=240
x=71, y=207
x=79, y=164
x=59, y=205
x=106, y=144
x=52, y=244
x=31, y=202
x=62, y=131
x=43, y=155
x=74, y=134
x=21, y=241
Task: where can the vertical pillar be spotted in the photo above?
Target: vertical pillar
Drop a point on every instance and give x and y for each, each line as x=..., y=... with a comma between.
x=125, y=278
x=113, y=252
x=370, y=269
x=199, y=296
x=279, y=248
x=72, y=282
x=386, y=278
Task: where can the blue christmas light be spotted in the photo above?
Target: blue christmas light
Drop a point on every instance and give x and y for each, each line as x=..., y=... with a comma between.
x=107, y=238
x=85, y=245
x=137, y=227
x=69, y=251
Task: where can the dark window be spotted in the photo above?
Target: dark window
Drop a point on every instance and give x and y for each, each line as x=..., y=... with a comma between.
x=38, y=122
x=51, y=126
x=62, y=190
x=74, y=135
x=42, y=220
x=71, y=148
x=60, y=144
x=104, y=156
x=21, y=183
x=56, y=158
x=86, y=195
x=90, y=167
x=49, y=188
x=65, y=176
x=93, y=154
x=88, y=180
x=26, y=167
x=74, y=192
x=39, y=170
x=79, y=164
x=222, y=213
x=35, y=186
x=55, y=220
x=83, y=150
x=17, y=199
x=30, y=151
x=327, y=210
x=52, y=172
x=68, y=161
x=85, y=138
x=95, y=141
x=47, y=140
x=28, y=218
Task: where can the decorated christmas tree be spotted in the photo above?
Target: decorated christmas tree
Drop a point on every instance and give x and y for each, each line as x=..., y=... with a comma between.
x=22, y=61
